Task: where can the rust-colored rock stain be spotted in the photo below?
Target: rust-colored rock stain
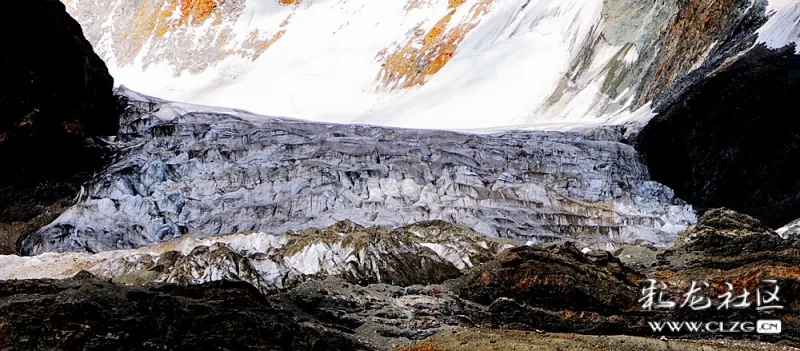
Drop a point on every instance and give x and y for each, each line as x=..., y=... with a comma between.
x=425, y=54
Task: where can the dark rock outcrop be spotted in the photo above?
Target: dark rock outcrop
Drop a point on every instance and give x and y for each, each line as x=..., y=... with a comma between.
x=53, y=82
x=726, y=246
x=559, y=277
x=55, y=92
x=85, y=313
x=733, y=139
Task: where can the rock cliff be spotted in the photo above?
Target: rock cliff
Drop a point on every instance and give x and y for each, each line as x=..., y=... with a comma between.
x=55, y=93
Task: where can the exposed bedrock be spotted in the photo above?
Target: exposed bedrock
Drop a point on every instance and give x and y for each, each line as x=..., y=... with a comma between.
x=55, y=92
x=214, y=173
x=732, y=139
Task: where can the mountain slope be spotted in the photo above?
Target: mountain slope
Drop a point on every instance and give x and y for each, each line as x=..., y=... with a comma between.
x=455, y=64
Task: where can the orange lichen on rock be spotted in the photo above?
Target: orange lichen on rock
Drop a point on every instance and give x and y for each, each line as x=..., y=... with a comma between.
x=258, y=45
x=448, y=47
x=223, y=39
x=163, y=24
x=481, y=8
x=149, y=19
x=436, y=32
x=409, y=65
x=690, y=34
x=153, y=18
x=425, y=54
x=289, y=2
x=197, y=10
x=451, y=4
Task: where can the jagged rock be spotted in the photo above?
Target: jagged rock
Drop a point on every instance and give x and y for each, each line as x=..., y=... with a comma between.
x=55, y=92
x=555, y=288
x=557, y=278
x=726, y=247
x=732, y=139
x=192, y=170
x=725, y=223
x=422, y=253
x=723, y=238
x=98, y=315
x=386, y=316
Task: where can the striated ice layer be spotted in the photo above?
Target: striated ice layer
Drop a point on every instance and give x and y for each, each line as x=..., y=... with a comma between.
x=189, y=170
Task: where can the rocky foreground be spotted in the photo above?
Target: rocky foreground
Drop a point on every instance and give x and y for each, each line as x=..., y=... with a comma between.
x=85, y=313
x=493, y=340
x=539, y=289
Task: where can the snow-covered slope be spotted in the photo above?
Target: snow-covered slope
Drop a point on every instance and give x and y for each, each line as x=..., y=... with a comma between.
x=784, y=24
x=452, y=64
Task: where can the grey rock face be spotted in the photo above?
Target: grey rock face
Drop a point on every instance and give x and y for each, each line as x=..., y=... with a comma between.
x=186, y=170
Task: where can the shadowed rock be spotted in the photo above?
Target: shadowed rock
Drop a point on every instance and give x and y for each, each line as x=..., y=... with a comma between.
x=91, y=314
x=732, y=139
x=55, y=92
x=559, y=277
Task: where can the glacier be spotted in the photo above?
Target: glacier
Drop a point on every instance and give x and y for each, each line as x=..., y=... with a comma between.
x=185, y=169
